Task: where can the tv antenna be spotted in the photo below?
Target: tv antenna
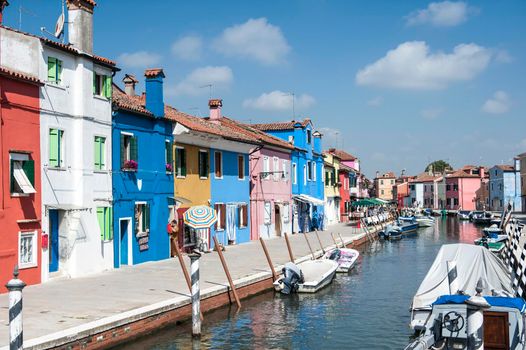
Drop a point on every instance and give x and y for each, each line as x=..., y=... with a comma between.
x=22, y=9
x=209, y=86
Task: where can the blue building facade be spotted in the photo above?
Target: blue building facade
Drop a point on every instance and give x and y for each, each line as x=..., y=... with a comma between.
x=307, y=171
x=505, y=186
x=142, y=177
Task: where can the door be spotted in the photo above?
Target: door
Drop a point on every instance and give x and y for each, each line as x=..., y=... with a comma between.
x=53, y=245
x=277, y=219
x=124, y=241
x=496, y=331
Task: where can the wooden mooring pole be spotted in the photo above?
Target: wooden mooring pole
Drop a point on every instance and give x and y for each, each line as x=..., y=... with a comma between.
x=343, y=243
x=289, y=248
x=334, y=240
x=185, y=271
x=319, y=241
x=227, y=272
x=310, y=248
x=267, y=255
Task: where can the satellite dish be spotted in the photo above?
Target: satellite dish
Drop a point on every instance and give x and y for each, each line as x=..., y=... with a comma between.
x=59, y=27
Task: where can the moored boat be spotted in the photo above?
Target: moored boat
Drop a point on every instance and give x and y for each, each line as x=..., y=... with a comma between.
x=306, y=277
x=406, y=218
x=345, y=257
x=482, y=218
x=391, y=231
x=464, y=214
x=425, y=221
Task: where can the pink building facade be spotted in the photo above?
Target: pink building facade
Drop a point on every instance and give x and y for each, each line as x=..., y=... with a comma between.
x=461, y=190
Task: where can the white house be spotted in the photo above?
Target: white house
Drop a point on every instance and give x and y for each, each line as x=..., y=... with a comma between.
x=75, y=128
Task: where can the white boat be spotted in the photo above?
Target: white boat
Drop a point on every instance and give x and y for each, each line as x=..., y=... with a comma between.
x=345, y=257
x=306, y=277
x=425, y=221
x=464, y=214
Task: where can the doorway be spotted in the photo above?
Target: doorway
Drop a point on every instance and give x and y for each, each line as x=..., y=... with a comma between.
x=125, y=242
x=277, y=219
x=53, y=244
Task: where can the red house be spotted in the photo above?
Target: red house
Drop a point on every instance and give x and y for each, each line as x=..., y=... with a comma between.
x=345, y=192
x=20, y=207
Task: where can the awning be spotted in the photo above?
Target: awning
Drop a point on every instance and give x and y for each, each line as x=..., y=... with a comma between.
x=66, y=207
x=367, y=202
x=22, y=179
x=181, y=200
x=308, y=199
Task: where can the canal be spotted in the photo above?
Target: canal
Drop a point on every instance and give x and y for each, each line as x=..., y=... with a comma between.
x=365, y=309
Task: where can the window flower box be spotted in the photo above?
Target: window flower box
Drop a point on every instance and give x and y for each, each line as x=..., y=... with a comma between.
x=169, y=168
x=130, y=165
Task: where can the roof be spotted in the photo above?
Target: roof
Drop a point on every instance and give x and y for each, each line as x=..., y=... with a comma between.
x=506, y=167
x=347, y=168
x=259, y=135
x=388, y=175
x=461, y=173
x=129, y=103
x=522, y=155
x=65, y=47
x=341, y=154
x=424, y=177
x=289, y=125
x=20, y=76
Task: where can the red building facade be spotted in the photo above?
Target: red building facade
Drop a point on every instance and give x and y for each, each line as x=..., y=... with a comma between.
x=20, y=207
x=345, y=192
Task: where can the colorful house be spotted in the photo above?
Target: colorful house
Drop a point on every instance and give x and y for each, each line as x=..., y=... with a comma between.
x=461, y=188
x=142, y=172
x=20, y=214
x=384, y=185
x=505, y=185
x=75, y=134
x=347, y=176
x=332, y=188
x=306, y=168
x=522, y=163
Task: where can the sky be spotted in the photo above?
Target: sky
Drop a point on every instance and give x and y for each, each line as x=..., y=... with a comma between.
x=396, y=83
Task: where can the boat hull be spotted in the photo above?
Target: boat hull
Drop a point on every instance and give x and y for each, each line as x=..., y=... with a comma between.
x=316, y=277
x=347, y=259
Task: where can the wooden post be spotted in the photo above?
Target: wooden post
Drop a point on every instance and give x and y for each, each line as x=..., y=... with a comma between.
x=334, y=240
x=310, y=248
x=319, y=241
x=267, y=255
x=343, y=243
x=227, y=273
x=289, y=248
x=185, y=271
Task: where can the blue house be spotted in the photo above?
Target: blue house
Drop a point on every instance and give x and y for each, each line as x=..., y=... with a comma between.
x=142, y=177
x=505, y=186
x=307, y=171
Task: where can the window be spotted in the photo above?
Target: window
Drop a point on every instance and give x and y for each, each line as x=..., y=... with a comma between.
x=22, y=174
x=221, y=216
x=382, y=192
x=327, y=178
x=313, y=164
x=309, y=136
x=381, y=182
x=291, y=139
x=455, y=201
x=392, y=182
x=105, y=219
x=168, y=156
x=129, y=152
x=294, y=173
x=285, y=169
x=448, y=188
x=304, y=175
x=142, y=217
x=27, y=249
x=309, y=170
x=100, y=153
x=56, y=148
x=267, y=218
x=275, y=168
x=448, y=201
x=203, y=164
x=102, y=85
x=412, y=187
x=180, y=162
x=54, y=70
x=242, y=214
x=455, y=187
x=218, y=161
x=241, y=167
x=266, y=167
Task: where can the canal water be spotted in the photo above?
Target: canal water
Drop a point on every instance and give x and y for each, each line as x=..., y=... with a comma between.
x=365, y=309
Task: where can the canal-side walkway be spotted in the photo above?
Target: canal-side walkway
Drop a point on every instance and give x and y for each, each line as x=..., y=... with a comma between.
x=61, y=311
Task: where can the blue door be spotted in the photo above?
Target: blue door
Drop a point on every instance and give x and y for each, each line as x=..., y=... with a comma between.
x=53, y=244
x=124, y=241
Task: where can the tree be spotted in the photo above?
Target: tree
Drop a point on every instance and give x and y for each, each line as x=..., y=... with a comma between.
x=439, y=166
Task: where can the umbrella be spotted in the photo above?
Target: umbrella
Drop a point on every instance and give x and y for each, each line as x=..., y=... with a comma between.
x=200, y=216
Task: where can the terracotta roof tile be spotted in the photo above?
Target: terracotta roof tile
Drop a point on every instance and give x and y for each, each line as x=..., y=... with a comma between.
x=259, y=135
x=129, y=103
x=153, y=72
x=341, y=154
x=289, y=125
x=388, y=175
x=506, y=167
x=20, y=76
x=461, y=173
x=424, y=177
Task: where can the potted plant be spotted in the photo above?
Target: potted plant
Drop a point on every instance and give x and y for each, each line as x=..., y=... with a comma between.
x=169, y=168
x=130, y=165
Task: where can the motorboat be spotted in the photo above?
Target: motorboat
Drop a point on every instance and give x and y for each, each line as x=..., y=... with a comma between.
x=406, y=218
x=492, y=230
x=464, y=214
x=306, y=277
x=494, y=245
x=345, y=257
x=482, y=218
x=391, y=232
x=425, y=221
x=408, y=226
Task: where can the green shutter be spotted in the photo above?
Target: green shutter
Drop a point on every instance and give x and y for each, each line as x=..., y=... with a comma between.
x=108, y=224
x=53, y=147
x=12, y=177
x=107, y=90
x=51, y=69
x=123, y=150
x=100, y=219
x=96, y=153
x=102, y=152
x=183, y=162
x=134, y=152
x=169, y=154
x=59, y=71
x=146, y=217
x=29, y=168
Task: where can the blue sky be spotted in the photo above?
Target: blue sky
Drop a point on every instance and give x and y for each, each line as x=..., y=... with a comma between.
x=397, y=83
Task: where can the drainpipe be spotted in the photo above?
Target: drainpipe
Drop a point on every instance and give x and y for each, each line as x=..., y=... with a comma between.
x=2, y=147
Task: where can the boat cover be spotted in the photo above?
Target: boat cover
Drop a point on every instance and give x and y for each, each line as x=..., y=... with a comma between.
x=473, y=262
x=515, y=303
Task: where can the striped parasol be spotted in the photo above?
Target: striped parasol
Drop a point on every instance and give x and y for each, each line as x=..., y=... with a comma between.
x=200, y=216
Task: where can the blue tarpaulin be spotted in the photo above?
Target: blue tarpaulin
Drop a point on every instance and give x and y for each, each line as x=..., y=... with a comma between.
x=516, y=303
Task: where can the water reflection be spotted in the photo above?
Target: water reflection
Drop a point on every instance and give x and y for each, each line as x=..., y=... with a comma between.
x=365, y=309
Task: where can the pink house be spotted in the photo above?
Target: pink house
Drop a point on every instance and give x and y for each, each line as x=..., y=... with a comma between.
x=462, y=187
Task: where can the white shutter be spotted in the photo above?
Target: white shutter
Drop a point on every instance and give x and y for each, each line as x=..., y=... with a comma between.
x=276, y=169
x=21, y=178
x=266, y=166
x=304, y=175
x=267, y=218
x=313, y=171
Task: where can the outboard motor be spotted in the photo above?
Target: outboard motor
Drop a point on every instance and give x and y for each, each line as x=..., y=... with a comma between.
x=292, y=276
x=335, y=255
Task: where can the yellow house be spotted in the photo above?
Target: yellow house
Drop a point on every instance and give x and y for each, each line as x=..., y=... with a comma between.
x=191, y=174
x=332, y=189
x=384, y=185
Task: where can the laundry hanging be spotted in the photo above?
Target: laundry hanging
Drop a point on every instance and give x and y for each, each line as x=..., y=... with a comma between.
x=231, y=210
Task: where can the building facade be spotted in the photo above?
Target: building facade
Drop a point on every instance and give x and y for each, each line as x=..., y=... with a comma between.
x=505, y=185
x=347, y=178
x=332, y=188
x=461, y=188
x=522, y=164
x=384, y=185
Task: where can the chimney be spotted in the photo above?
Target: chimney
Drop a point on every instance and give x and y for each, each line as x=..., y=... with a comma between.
x=377, y=174
x=3, y=4
x=481, y=172
x=80, y=24
x=154, y=91
x=215, y=110
x=129, y=81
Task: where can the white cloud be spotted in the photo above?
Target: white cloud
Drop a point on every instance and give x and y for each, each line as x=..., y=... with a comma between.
x=412, y=66
x=431, y=113
x=188, y=48
x=194, y=83
x=279, y=101
x=499, y=103
x=139, y=59
x=255, y=39
x=440, y=14
x=503, y=56
x=375, y=102
x=331, y=137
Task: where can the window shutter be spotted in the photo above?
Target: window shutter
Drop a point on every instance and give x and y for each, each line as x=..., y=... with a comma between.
x=223, y=216
x=94, y=83
x=59, y=70
x=108, y=87
x=60, y=135
x=12, y=178
x=183, y=162
x=109, y=223
x=218, y=222
x=134, y=149
x=53, y=147
x=102, y=152
x=96, y=153
x=147, y=216
x=100, y=218
x=245, y=214
x=123, y=150
x=137, y=229
x=240, y=216
x=51, y=69
x=29, y=168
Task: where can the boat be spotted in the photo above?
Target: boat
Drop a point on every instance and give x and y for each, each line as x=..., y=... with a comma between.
x=492, y=230
x=345, y=257
x=425, y=221
x=482, y=218
x=494, y=245
x=406, y=218
x=391, y=231
x=306, y=277
x=464, y=214
x=408, y=226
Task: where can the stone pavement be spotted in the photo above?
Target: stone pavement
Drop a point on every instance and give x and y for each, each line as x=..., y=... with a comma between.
x=60, y=305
